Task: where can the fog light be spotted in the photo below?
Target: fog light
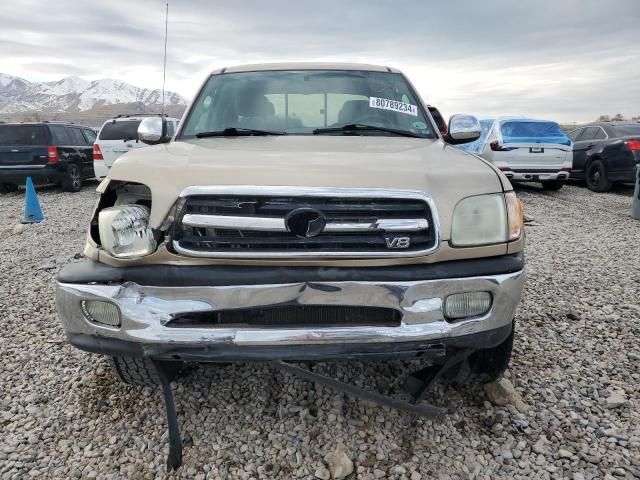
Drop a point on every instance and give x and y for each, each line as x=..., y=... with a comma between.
x=101, y=312
x=468, y=304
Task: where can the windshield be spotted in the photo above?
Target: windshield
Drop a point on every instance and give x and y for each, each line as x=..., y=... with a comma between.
x=23, y=135
x=299, y=102
x=526, y=131
x=626, y=130
x=476, y=145
x=124, y=130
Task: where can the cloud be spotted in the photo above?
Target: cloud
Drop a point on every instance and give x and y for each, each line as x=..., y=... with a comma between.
x=571, y=60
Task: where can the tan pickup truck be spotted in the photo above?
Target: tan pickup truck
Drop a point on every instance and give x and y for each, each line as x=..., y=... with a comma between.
x=302, y=212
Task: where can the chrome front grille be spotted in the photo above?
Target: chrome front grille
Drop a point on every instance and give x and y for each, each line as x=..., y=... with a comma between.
x=276, y=222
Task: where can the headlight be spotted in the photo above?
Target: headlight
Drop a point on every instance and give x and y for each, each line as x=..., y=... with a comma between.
x=125, y=232
x=486, y=220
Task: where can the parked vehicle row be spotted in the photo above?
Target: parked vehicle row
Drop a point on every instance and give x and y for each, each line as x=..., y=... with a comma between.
x=524, y=149
x=64, y=153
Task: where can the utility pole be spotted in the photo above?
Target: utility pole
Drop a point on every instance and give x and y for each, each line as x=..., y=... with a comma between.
x=164, y=67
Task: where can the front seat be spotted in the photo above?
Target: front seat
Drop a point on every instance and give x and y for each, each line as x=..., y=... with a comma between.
x=352, y=111
x=254, y=111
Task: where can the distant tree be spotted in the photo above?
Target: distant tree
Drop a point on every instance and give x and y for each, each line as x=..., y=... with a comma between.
x=617, y=117
x=603, y=118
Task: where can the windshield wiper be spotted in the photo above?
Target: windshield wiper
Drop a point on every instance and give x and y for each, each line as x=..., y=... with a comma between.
x=238, y=132
x=360, y=127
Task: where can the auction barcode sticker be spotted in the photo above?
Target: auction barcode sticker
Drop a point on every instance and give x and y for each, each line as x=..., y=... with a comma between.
x=393, y=105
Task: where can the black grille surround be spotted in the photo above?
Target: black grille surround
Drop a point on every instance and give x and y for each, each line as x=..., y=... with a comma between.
x=251, y=241
x=290, y=316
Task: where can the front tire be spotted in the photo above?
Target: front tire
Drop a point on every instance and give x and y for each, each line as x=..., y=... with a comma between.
x=142, y=371
x=596, y=177
x=8, y=187
x=553, y=185
x=484, y=366
x=72, y=180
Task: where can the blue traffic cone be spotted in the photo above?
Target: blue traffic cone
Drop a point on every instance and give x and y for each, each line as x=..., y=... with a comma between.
x=32, y=210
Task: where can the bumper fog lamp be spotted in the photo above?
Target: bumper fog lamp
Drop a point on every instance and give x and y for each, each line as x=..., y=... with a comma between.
x=104, y=313
x=468, y=304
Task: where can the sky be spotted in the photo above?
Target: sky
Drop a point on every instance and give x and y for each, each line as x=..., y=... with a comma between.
x=566, y=60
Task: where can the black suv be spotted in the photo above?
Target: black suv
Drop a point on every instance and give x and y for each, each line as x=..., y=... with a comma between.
x=57, y=152
x=604, y=153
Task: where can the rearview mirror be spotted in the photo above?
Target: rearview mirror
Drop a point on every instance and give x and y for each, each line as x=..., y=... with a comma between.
x=463, y=129
x=153, y=130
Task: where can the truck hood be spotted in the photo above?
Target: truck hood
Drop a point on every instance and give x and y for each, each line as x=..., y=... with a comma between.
x=444, y=172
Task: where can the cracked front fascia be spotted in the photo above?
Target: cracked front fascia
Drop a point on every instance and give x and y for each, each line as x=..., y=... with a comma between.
x=429, y=166
x=445, y=253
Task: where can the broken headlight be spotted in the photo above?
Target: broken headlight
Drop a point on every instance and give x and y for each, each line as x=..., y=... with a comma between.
x=125, y=232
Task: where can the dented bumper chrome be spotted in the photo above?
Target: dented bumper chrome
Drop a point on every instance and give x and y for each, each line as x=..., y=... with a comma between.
x=146, y=310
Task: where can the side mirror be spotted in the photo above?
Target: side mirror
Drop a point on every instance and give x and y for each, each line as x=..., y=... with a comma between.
x=463, y=129
x=153, y=130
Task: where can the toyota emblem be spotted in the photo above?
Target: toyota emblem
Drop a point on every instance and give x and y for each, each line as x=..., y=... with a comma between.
x=305, y=222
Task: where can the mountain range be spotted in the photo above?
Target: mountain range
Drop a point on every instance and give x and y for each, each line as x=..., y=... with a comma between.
x=74, y=94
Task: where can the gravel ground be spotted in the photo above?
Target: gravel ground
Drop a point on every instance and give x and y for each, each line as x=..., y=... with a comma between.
x=575, y=364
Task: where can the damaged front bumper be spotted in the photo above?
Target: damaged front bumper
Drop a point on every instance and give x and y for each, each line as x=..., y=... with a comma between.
x=148, y=298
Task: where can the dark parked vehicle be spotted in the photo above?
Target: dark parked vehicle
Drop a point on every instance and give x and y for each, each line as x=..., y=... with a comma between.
x=604, y=153
x=58, y=152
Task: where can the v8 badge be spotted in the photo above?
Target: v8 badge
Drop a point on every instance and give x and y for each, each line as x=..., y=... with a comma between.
x=397, y=242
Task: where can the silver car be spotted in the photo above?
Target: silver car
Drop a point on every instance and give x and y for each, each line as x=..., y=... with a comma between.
x=526, y=150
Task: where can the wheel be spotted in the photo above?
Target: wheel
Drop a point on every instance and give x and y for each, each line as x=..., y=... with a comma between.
x=596, y=177
x=8, y=187
x=72, y=181
x=484, y=366
x=141, y=371
x=553, y=185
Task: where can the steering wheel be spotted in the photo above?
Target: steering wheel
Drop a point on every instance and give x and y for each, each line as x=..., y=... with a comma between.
x=373, y=118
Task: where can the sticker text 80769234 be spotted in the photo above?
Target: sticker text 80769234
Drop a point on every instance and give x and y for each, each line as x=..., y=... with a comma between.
x=393, y=105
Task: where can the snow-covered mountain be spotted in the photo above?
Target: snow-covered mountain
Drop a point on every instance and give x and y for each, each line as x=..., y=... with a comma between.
x=74, y=94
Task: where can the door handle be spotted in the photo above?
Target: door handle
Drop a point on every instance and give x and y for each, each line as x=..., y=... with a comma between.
x=590, y=145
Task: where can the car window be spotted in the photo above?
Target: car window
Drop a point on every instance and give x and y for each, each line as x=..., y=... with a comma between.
x=90, y=135
x=123, y=130
x=77, y=136
x=574, y=135
x=62, y=135
x=527, y=131
x=589, y=134
x=476, y=145
x=299, y=101
x=626, y=130
x=600, y=135
x=308, y=111
x=23, y=135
